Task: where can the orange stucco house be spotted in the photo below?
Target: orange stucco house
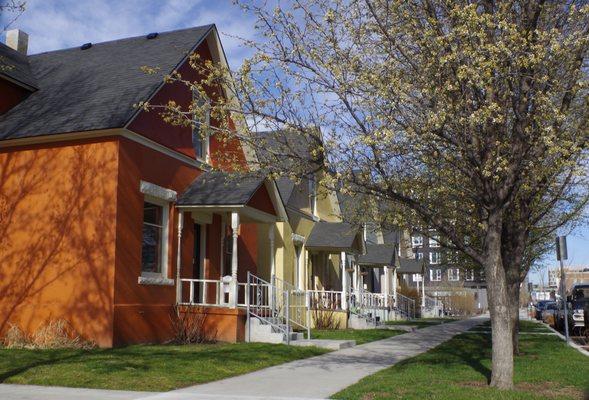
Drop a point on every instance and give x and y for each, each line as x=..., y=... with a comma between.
x=104, y=208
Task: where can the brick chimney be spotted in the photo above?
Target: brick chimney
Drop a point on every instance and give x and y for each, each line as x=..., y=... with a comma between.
x=18, y=40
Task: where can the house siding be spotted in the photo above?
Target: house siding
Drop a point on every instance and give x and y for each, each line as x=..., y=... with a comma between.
x=57, y=236
x=142, y=312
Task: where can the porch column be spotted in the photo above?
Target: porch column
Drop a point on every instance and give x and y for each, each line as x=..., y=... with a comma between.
x=386, y=286
x=272, y=269
x=395, y=286
x=423, y=291
x=235, y=235
x=272, y=250
x=179, y=258
x=344, y=282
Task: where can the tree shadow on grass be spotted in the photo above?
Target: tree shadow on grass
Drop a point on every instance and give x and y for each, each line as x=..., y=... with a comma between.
x=5, y=375
x=466, y=349
x=218, y=360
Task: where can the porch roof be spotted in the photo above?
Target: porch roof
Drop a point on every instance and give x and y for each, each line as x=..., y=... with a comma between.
x=336, y=237
x=410, y=266
x=378, y=255
x=218, y=190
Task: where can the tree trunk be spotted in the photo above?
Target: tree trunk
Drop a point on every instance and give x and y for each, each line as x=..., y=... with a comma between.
x=499, y=300
x=514, y=314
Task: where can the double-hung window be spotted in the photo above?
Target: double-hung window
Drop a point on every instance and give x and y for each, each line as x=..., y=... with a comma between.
x=453, y=274
x=155, y=233
x=200, y=126
x=419, y=255
x=435, y=257
x=313, y=195
x=434, y=241
x=469, y=275
x=435, y=275
x=417, y=240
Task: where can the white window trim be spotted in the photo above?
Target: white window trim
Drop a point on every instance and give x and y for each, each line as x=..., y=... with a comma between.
x=416, y=240
x=431, y=258
x=419, y=255
x=469, y=275
x=162, y=197
x=417, y=278
x=207, y=138
x=157, y=192
x=450, y=277
x=434, y=241
x=435, y=275
x=313, y=195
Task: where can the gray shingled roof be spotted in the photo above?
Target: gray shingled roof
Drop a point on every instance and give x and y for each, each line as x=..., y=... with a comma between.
x=16, y=66
x=82, y=90
x=339, y=236
x=390, y=237
x=410, y=266
x=378, y=255
x=220, y=188
x=284, y=150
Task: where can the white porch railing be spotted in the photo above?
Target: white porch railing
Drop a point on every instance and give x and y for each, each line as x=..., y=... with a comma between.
x=280, y=298
x=325, y=300
x=204, y=292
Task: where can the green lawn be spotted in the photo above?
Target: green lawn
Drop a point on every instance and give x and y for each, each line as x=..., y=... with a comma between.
x=361, y=336
x=524, y=327
x=460, y=369
x=423, y=322
x=144, y=367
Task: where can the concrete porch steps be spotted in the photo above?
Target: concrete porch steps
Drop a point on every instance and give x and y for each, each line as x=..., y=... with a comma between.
x=261, y=331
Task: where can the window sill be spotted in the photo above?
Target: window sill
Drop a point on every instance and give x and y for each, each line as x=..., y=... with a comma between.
x=155, y=280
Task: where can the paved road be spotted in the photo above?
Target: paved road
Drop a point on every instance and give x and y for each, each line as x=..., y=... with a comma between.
x=312, y=378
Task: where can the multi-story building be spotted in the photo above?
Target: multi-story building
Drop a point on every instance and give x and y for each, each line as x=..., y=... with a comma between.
x=445, y=276
x=572, y=275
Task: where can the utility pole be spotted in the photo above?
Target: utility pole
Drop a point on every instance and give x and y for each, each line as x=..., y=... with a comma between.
x=561, y=255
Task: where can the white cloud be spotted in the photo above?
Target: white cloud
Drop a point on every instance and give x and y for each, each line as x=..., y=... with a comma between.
x=57, y=24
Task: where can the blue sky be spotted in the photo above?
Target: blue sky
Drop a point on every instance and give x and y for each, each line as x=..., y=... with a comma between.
x=59, y=24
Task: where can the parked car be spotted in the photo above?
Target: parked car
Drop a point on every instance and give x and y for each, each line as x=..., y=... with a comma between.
x=549, y=312
x=576, y=300
x=540, y=305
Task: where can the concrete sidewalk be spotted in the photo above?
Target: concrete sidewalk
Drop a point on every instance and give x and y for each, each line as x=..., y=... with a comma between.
x=323, y=376
x=311, y=378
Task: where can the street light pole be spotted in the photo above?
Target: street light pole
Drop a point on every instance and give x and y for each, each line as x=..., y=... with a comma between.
x=561, y=255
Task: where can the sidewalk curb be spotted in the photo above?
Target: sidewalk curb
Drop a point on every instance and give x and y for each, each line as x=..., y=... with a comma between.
x=572, y=344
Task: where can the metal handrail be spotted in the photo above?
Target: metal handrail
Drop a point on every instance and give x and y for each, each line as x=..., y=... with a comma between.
x=405, y=305
x=299, y=311
x=261, y=303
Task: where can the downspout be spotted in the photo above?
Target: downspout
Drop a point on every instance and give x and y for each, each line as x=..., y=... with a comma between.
x=179, y=258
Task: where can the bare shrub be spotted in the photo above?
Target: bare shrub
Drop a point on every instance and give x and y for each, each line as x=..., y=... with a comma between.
x=55, y=334
x=15, y=338
x=460, y=303
x=410, y=292
x=325, y=319
x=189, y=326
